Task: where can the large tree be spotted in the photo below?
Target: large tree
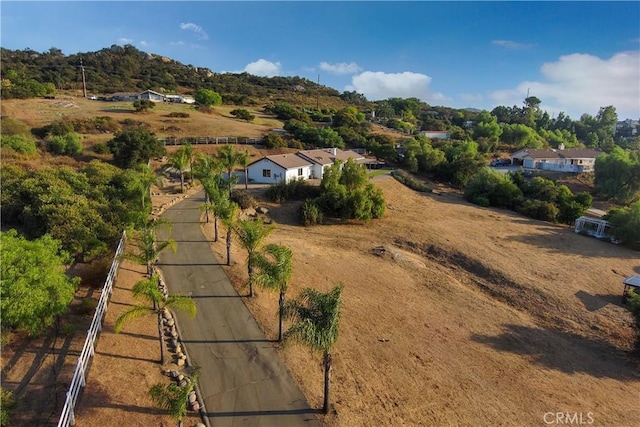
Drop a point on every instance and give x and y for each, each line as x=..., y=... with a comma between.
x=149, y=291
x=34, y=288
x=251, y=234
x=316, y=317
x=617, y=175
x=275, y=267
x=136, y=145
x=208, y=97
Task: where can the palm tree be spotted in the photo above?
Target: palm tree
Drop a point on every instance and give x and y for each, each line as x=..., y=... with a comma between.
x=274, y=273
x=316, y=317
x=229, y=158
x=174, y=398
x=228, y=213
x=149, y=291
x=148, y=247
x=188, y=152
x=214, y=196
x=251, y=234
x=141, y=181
x=179, y=161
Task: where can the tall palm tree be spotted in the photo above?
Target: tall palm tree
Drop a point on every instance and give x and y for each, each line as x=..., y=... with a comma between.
x=229, y=158
x=188, y=152
x=179, y=161
x=174, y=398
x=148, y=247
x=215, y=198
x=148, y=290
x=274, y=273
x=316, y=317
x=251, y=234
x=228, y=213
x=141, y=181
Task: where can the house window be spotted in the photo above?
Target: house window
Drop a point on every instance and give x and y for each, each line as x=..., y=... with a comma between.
x=266, y=173
x=299, y=171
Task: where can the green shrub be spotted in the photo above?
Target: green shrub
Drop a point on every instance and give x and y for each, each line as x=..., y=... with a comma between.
x=311, y=213
x=142, y=105
x=272, y=140
x=539, y=209
x=100, y=148
x=243, y=114
x=19, y=143
x=8, y=403
x=179, y=114
x=65, y=144
x=243, y=199
x=295, y=189
x=411, y=182
x=494, y=187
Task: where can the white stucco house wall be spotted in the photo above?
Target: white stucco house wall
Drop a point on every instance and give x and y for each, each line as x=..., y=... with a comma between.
x=278, y=168
x=572, y=160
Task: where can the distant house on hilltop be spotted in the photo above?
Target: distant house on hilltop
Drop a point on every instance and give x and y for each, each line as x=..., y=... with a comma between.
x=435, y=134
x=573, y=160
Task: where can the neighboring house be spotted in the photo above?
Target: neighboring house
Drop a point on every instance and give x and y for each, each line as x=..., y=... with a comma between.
x=278, y=168
x=573, y=160
x=322, y=158
x=435, y=134
x=627, y=128
x=122, y=96
x=308, y=164
x=180, y=99
x=152, y=96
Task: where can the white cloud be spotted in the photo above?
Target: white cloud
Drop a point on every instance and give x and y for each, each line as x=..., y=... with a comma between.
x=262, y=67
x=143, y=43
x=379, y=85
x=582, y=83
x=510, y=44
x=124, y=40
x=180, y=43
x=190, y=26
x=340, y=67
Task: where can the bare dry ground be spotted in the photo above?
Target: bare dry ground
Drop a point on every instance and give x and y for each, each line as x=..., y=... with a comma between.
x=460, y=315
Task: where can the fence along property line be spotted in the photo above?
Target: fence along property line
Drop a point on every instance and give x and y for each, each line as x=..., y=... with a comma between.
x=79, y=376
x=211, y=140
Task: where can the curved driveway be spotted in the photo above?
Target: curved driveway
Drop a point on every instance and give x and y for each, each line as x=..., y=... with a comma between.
x=242, y=380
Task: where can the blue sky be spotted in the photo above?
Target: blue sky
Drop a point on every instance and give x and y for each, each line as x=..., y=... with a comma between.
x=574, y=56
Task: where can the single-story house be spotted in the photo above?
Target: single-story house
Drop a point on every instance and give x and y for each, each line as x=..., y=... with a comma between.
x=278, y=168
x=573, y=160
x=152, y=96
x=122, y=97
x=435, y=134
x=180, y=99
x=325, y=157
x=308, y=164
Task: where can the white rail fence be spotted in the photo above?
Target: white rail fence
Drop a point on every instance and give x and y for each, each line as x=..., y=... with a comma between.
x=211, y=140
x=79, y=376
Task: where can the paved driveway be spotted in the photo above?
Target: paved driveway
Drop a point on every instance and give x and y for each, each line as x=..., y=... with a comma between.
x=242, y=380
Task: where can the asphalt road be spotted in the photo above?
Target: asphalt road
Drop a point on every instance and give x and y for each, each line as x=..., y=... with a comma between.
x=242, y=380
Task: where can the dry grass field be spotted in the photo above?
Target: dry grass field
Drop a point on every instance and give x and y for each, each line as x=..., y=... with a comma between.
x=453, y=315
x=459, y=315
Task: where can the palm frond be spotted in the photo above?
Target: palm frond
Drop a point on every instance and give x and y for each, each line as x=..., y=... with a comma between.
x=182, y=302
x=134, y=312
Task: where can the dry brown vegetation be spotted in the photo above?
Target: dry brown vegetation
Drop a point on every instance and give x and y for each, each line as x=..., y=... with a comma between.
x=459, y=315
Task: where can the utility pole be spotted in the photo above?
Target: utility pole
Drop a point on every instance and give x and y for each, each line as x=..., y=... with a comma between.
x=84, y=83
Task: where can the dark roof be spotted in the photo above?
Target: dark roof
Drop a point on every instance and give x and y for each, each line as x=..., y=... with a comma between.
x=286, y=161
